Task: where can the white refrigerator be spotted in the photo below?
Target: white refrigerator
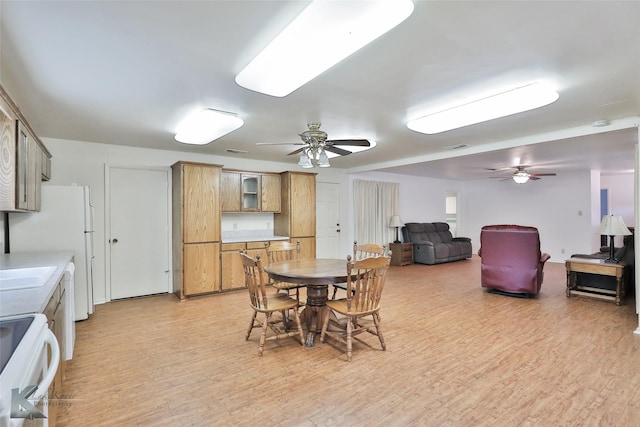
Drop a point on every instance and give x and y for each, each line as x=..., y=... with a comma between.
x=64, y=223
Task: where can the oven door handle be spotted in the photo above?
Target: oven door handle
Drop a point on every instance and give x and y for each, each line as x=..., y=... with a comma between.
x=47, y=379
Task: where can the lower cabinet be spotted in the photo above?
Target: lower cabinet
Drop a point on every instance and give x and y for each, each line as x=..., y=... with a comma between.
x=54, y=311
x=232, y=275
x=307, y=247
x=201, y=268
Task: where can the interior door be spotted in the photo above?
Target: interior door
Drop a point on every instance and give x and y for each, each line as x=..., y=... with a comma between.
x=139, y=232
x=328, y=220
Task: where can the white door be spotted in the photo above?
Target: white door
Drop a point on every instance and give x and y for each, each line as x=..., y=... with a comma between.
x=139, y=232
x=328, y=220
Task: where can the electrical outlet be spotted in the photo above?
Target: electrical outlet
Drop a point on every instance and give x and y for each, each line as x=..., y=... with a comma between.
x=561, y=251
x=579, y=213
x=268, y=226
x=235, y=225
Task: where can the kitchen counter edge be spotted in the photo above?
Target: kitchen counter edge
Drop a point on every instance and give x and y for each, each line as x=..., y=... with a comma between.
x=31, y=300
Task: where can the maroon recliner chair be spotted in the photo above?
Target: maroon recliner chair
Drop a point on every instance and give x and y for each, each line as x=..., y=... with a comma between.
x=511, y=259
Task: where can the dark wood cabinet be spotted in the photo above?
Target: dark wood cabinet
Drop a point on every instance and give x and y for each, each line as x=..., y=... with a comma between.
x=401, y=253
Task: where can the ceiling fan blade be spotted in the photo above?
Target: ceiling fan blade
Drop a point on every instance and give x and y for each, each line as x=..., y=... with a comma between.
x=533, y=177
x=542, y=174
x=280, y=143
x=299, y=150
x=337, y=150
x=353, y=142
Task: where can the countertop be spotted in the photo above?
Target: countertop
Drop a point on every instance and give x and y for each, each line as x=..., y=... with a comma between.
x=31, y=300
x=246, y=237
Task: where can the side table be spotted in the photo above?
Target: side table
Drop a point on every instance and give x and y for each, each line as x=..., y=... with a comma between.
x=595, y=266
x=401, y=253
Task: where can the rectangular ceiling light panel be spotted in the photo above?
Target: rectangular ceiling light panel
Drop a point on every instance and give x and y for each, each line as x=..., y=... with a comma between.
x=204, y=126
x=517, y=100
x=325, y=33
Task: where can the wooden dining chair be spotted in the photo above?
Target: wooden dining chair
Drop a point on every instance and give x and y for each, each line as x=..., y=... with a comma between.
x=365, y=283
x=268, y=305
x=365, y=250
x=284, y=251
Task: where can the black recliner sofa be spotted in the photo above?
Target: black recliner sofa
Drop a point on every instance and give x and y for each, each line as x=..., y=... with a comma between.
x=434, y=244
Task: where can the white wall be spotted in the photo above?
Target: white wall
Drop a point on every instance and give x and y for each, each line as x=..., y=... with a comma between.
x=551, y=204
x=564, y=208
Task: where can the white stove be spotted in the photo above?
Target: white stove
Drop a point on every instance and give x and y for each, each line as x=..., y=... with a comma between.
x=25, y=375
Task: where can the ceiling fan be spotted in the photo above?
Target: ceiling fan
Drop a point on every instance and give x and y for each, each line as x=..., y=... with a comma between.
x=315, y=146
x=522, y=175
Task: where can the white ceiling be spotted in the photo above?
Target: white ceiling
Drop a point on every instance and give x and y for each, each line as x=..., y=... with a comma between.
x=125, y=72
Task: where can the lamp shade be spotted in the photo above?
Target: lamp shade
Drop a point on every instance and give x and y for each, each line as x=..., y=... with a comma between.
x=396, y=221
x=613, y=225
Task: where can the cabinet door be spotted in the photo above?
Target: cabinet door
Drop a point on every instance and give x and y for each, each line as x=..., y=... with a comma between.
x=303, y=205
x=22, y=169
x=230, y=191
x=270, y=193
x=201, y=268
x=7, y=157
x=232, y=272
x=201, y=186
x=250, y=192
x=308, y=247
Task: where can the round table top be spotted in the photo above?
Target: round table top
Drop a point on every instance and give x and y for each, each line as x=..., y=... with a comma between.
x=319, y=271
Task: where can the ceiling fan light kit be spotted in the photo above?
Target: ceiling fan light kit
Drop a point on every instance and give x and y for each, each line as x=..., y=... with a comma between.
x=207, y=125
x=516, y=100
x=520, y=177
x=325, y=33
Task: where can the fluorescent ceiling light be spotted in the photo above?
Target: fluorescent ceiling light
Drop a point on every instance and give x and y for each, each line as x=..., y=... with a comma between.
x=325, y=33
x=502, y=104
x=206, y=125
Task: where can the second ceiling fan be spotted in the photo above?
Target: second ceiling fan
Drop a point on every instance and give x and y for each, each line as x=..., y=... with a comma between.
x=522, y=175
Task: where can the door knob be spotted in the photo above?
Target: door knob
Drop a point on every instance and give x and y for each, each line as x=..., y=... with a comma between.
x=114, y=240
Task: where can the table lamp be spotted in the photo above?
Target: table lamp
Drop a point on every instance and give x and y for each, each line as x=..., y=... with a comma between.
x=613, y=225
x=396, y=222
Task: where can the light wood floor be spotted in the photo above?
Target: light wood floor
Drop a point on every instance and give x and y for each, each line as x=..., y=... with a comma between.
x=456, y=356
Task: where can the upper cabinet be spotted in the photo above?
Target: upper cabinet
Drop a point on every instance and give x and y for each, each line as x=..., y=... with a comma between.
x=24, y=161
x=270, y=188
x=230, y=191
x=250, y=192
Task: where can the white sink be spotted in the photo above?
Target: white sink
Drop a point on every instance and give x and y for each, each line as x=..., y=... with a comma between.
x=23, y=278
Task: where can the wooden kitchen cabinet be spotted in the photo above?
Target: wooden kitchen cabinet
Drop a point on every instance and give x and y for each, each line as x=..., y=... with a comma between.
x=230, y=191
x=297, y=218
x=232, y=274
x=270, y=192
x=22, y=156
x=196, y=228
x=249, y=191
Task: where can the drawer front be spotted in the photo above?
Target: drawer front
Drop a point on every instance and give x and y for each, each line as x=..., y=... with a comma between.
x=228, y=247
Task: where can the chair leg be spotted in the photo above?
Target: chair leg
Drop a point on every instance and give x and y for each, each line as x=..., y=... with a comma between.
x=377, y=322
x=325, y=323
x=335, y=291
x=253, y=321
x=263, y=337
x=349, y=339
x=297, y=317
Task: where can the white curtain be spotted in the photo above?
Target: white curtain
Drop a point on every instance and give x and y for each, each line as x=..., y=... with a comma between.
x=374, y=205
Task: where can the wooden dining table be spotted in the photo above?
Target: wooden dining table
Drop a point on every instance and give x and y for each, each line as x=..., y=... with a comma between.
x=316, y=274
